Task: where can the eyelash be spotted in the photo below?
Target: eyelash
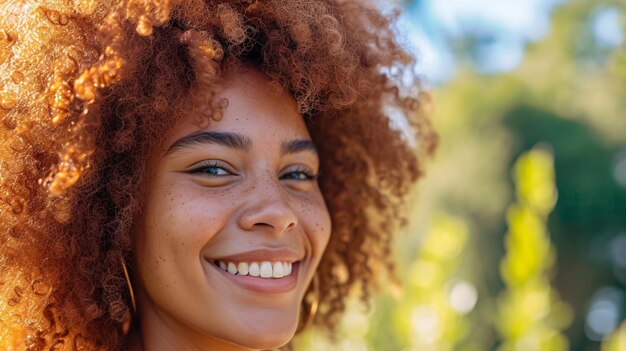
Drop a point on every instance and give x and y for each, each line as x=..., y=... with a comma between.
x=203, y=168
x=308, y=175
x=206, y=165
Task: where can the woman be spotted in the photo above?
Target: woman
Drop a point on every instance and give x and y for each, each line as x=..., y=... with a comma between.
x=197, y=175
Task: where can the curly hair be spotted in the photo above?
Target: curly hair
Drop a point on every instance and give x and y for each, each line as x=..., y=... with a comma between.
x=87, y=88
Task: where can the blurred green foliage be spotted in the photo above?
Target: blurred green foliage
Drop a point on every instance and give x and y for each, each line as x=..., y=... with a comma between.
x=530, y=314
x=555, y=254
x=427, y=316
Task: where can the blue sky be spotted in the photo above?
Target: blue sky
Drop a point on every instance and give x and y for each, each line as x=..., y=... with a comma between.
x=428, y=26
x=509, y=25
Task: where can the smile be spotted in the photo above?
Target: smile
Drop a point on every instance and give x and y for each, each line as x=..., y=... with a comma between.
x=264, y=269
x=266, y=280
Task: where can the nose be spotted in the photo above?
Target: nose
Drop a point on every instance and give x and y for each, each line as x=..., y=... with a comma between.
x=270, y=210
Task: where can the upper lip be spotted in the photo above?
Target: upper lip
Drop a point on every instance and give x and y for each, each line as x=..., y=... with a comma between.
x=260, y=255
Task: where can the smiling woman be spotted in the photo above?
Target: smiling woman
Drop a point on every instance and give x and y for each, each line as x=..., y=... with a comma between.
x=242, y=194
x=196, y=175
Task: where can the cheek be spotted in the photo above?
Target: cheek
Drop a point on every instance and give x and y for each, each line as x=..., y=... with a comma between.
x=317, y=224
x=178, y=221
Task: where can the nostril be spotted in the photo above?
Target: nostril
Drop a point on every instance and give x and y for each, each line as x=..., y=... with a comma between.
x=282, y=227
x=276, y=216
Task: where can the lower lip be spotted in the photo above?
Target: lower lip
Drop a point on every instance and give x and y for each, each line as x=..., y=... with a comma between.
x=264, y=285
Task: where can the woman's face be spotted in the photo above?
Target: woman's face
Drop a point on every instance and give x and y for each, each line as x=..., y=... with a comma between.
x=241, y=194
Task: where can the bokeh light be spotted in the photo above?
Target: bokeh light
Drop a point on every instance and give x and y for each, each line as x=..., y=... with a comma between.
x=463, y=297
x=607, y=26
x=604, y=313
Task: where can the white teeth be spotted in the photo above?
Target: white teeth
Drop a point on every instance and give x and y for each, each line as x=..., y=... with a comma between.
x=277, y=270
x=242, y=267
x=287, y=266
x=232, y=268
x=254, y=269
x=265, y=269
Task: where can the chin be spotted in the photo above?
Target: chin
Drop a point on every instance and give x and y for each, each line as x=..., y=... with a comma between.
x=265, y=333
x=265, y=339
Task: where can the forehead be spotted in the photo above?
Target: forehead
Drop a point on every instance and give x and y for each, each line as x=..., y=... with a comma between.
x=255, y=108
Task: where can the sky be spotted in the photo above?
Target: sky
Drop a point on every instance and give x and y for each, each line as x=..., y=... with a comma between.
x=506, y=27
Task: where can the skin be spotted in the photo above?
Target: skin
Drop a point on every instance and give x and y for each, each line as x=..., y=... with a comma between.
x=206, y=200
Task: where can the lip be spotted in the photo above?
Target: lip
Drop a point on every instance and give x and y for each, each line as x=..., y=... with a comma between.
x=262, y=285
x=260, y=255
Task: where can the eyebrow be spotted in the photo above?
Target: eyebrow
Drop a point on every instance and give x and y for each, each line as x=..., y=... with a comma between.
x=236, y=141
x=230, y=140
x=295, y=146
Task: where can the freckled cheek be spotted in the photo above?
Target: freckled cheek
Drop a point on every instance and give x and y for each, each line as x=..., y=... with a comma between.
x=317, y=223
x=185, y=220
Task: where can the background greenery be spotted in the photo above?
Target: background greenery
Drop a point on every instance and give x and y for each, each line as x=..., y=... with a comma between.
x=518, y=240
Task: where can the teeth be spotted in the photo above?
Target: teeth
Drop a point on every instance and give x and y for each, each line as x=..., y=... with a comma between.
x=242, y=267
x=277, y=270
x=265, y=269
x=287, y=268
x=232, y=268
x=254, y=269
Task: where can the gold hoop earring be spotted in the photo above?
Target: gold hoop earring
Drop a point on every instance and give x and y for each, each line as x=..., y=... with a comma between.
x=311, y=300
x=130, y=286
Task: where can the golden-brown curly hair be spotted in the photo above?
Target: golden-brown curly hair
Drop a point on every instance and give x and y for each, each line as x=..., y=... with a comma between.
x=87, y=88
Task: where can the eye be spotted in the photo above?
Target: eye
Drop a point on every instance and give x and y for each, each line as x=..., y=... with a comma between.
x=299, y=173
x=212, y=168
